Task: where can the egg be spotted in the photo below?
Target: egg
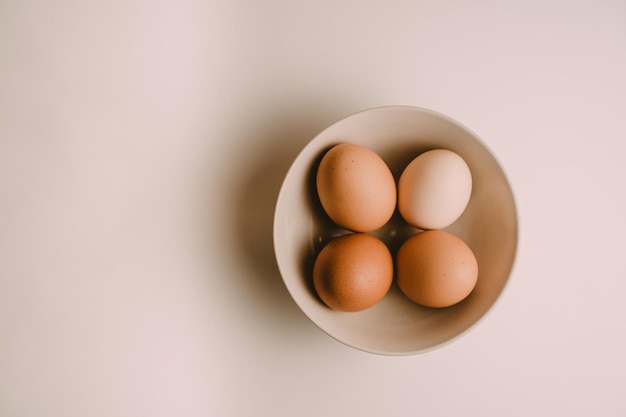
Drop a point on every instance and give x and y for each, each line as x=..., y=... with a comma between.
x=356, y=187
x=353, y=272
x=436, y=269
x=434, y=189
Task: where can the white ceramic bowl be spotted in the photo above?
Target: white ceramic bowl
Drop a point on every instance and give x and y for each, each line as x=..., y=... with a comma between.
x=396, y=325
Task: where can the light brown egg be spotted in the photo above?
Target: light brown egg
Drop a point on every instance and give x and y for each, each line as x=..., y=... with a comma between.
x=353, y=272
x=356, y=188
x=436, y=269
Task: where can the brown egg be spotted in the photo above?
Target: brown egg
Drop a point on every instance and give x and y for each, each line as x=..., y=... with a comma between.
x=356, y=188
x=436, y=269
x=353, y=272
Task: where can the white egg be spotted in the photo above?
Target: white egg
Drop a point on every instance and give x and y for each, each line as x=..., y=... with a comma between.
x=434, y=189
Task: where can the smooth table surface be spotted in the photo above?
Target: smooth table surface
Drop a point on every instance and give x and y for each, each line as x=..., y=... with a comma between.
x=142, y=146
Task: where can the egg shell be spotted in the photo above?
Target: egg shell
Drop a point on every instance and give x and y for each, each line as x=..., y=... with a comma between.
x=353, y=272
x=436, y=269
x=434, y=189
x=356, y=188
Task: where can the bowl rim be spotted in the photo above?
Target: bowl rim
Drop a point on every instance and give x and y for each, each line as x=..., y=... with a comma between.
x=516, y=228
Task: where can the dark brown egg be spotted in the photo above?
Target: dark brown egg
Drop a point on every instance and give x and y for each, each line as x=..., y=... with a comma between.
x=353, y=272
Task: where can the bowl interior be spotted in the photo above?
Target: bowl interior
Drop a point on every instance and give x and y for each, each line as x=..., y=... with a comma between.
x=396, y=325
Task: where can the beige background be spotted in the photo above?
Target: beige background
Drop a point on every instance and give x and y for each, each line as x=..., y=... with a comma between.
x=142, y=145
